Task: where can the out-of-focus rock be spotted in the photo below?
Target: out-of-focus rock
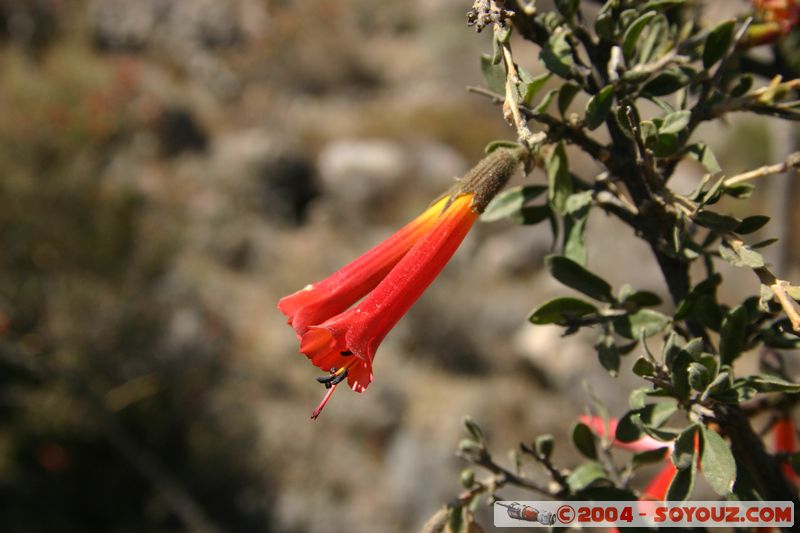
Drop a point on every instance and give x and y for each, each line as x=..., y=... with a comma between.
x=286, y=186
x=449, y=344
x=118, y=24
x=436, y=7
x=358, y=174
x=437, y=164
x=606, y=237
x=186, y=32
x=33, y=24
x=275, y=177
x=563, y=359
x=358, y=171
x=410, y=457
x=179, y=131
x=516, y=251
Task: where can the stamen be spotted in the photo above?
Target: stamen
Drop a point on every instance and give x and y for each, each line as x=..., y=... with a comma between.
x=321, y=405
x=326, y=380
x=338, y=378
x=335, y=377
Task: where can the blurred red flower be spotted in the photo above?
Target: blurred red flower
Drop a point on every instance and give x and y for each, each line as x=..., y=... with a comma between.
x=784, y=439
x=657, y=489
x=658, y=486
x=776, y=19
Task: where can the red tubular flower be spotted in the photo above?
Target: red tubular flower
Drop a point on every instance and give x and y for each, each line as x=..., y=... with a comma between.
x=348, y=342
x=322, y=300
x=343, y=340
x=784, y=437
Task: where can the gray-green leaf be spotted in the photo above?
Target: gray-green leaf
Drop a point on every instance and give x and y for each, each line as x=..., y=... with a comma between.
x=643, y=367
x=716, y=221
x=509, y=202
x=608, y=354
x=740, y=255
x=556, y=54
x=544, y=445
x=566, y=95
x=631, y=37
x=732, y=335
x=752, y=224
x=494, y=74
x=682, y=485
x=675, y=122
x=702, y=153
x=718, y=42
x=599, y=106
x=717, y=462
x=644, y=322
x=531, y=85
x=685, y=452
x=577, y=277
x=561, y=310
x=586, y=475
x=583, y=438
x=559, y=180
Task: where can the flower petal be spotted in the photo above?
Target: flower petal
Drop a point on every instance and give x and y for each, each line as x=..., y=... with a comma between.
x=646, y=443
x=360, y=376
x=406, y=282
x=324, y=299
x=659, y=485
x=784, y=438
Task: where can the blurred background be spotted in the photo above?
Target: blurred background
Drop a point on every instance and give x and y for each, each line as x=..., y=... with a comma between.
x=170, y=168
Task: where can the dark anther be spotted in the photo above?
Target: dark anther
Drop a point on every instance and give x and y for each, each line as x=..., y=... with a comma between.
x=345, y=353
x=339, y=378
x=333, y=379
x=326, y=380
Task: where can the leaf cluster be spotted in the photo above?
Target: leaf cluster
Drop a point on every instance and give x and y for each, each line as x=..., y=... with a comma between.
x=632, y=82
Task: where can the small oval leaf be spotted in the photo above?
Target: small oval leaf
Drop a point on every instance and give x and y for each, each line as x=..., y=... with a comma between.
x=717, y=462
x=675, y=122
x=583, y=439
x=718, y=42
x=631, y=37
x=577, y=277
x=561, y=310
x=599, y=106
